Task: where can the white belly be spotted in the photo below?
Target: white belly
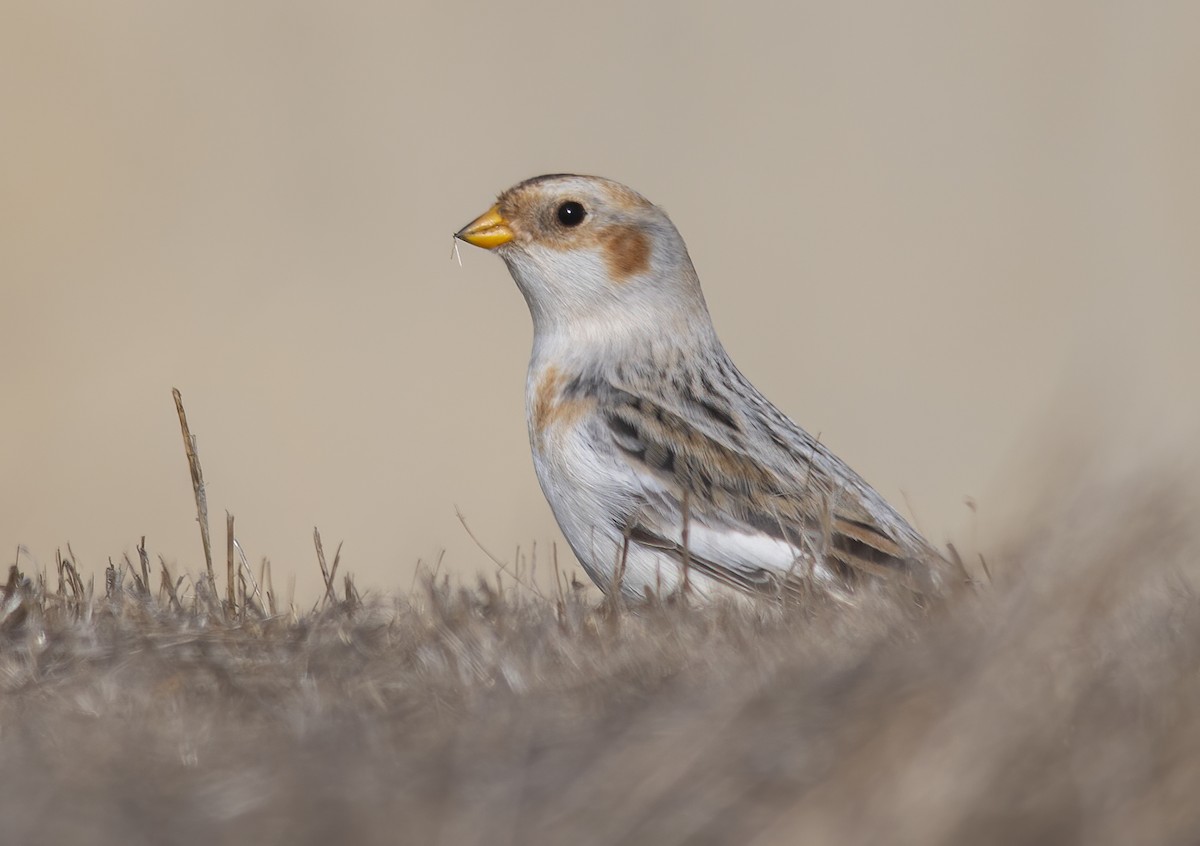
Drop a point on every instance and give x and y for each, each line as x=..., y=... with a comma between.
x=589, y=496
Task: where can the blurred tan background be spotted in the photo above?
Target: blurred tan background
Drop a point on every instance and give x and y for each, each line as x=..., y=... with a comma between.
x=961, y=241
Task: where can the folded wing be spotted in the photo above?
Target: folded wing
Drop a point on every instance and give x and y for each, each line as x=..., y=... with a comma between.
x=767, y=519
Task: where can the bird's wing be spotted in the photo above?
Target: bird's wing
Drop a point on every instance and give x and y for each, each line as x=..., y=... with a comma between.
x=739, y=518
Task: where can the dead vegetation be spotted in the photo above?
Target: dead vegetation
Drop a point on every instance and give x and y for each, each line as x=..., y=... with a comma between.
x=1056, y=704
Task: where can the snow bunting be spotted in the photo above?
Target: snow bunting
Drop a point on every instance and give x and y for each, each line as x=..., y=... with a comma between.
x=665, y=467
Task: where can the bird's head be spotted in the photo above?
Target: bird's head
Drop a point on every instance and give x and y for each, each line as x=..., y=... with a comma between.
x=591, y=256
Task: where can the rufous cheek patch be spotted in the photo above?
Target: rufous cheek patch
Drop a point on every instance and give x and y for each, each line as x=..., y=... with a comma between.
x=626, y=250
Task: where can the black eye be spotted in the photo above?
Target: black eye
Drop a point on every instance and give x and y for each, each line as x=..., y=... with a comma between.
x=571, y=213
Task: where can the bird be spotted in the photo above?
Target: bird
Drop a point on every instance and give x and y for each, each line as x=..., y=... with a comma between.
x=667, y=471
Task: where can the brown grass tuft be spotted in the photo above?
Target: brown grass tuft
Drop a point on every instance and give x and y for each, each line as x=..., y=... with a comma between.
x=1057, y=705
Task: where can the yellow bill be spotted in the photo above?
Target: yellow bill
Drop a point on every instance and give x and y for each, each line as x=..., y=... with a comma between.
x=489, y=230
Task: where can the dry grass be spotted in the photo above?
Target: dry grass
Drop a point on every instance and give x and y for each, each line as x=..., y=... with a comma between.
x=1057, y=705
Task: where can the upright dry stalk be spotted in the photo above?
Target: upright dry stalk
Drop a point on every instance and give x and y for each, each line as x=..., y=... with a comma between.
x=189, y=446
x=170, y=585
x=330, y=593
x=144, y=558
x=230, y=594
x=268, y=582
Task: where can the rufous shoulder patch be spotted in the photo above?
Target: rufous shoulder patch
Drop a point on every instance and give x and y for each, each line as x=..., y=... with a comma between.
x=550, y=409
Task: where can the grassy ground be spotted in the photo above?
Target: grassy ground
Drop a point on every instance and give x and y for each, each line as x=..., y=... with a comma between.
x=1059, y=703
